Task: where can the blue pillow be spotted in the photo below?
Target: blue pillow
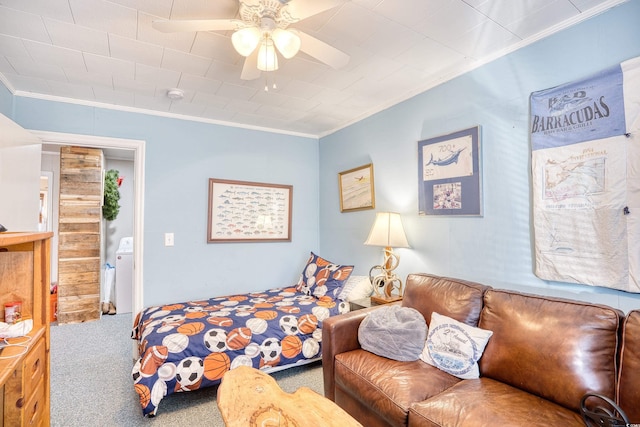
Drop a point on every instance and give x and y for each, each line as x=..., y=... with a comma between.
x=321, y=277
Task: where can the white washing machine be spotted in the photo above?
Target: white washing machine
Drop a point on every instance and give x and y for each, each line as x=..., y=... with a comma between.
x=124, y=276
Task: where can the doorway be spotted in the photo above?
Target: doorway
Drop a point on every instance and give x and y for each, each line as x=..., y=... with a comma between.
x=46, y=206
x=137, y=149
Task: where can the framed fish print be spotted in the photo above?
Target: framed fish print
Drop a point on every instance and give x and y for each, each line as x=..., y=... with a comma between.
x=450, y=175
x=241, y=211
x=356, y=189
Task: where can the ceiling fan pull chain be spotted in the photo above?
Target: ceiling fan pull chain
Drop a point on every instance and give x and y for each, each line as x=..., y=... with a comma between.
x=266, y=83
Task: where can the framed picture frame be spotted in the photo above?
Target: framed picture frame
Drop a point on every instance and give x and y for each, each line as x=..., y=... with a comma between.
x=450, y=175
x=357, y=189
x=241, y=211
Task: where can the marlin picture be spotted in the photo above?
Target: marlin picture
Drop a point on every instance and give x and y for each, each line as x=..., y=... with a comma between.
x=453, y=158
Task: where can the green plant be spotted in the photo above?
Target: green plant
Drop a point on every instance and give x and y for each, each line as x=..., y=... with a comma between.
x=110, y=208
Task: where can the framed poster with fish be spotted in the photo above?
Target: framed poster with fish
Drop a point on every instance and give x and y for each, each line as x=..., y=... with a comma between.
x=450, y=174
x=242, y=211
x=356, y=189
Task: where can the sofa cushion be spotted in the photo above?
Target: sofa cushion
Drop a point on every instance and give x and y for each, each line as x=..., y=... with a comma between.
x=629, y=374
x=554, y=348
x=394, y=332
x=387, y=387
x=485, y=402
x=458, y=299
x=454, y=347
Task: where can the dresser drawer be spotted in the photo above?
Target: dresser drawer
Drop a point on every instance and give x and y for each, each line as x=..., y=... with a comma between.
x=33, y=414
x=34, y=368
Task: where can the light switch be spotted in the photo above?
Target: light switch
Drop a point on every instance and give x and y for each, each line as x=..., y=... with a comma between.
x=168, y=239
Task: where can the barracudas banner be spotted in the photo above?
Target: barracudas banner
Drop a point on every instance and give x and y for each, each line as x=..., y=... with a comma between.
x=585, y=142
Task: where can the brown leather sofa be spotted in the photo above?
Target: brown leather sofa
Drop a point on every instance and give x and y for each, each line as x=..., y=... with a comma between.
x=544, y=356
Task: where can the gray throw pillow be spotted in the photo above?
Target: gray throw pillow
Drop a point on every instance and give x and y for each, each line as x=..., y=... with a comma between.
x=394, y=332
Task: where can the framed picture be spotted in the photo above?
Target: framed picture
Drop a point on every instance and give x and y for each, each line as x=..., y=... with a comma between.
x=449, y=174
x=356, y=189
x=249, y=212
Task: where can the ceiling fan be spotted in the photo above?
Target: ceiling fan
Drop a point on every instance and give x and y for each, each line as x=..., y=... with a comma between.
x=263, y=31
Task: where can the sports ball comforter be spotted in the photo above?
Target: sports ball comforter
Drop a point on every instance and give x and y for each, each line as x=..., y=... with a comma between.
x=190, y=345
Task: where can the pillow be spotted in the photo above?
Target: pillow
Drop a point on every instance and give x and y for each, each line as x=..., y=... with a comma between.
x=394, y=332
x=356, y=287
x=321, y=277
x=454, y=347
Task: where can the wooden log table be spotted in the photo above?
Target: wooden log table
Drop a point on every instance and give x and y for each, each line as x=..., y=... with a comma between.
x=249, y=397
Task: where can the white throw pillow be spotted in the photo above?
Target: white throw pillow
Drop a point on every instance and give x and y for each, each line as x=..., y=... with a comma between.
x=357, y=287
x=454, y=347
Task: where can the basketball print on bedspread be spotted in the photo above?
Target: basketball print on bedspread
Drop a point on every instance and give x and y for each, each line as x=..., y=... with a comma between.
x=191, y=328
x=196, y=314
x=266, y=314
x=215, y=365
x=193, y=346
x=143, y=393
x=291, y=346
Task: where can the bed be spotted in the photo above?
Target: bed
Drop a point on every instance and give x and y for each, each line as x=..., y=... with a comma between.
x=190, y=345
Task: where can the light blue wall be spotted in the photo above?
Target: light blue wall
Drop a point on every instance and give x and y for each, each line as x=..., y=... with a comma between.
x=497, y=248
x=180, y=158
x=6, y=101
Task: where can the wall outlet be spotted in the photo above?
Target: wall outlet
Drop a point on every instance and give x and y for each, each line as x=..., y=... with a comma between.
x=168, y=239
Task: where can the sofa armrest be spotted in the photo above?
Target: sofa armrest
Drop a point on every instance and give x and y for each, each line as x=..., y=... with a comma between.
x=339, y=335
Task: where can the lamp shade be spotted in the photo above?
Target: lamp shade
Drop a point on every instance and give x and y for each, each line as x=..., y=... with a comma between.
x=267, y=58
x=246, y=40
x=387, y=231
x=286, y=41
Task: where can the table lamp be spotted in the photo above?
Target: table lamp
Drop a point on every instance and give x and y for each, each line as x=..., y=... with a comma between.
x=387, y=231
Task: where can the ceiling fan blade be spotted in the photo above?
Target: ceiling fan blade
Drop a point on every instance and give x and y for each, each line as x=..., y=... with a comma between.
x=301, y=9
x=250, y=68
x=193, y=25
x=322, y=51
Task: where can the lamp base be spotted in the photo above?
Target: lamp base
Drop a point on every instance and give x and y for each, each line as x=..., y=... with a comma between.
x=385, y=300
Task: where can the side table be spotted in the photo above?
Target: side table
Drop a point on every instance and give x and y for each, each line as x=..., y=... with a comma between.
x=359, y=304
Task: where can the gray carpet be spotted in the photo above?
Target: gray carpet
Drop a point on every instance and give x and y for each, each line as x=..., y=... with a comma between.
x=91, y=381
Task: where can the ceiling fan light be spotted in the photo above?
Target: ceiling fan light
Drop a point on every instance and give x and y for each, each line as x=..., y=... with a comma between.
x=246, y=40
x=267, y=58
x=287, y=42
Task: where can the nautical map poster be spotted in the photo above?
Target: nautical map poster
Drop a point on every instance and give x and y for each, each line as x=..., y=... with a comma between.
x=449, y=178
x=586, y=179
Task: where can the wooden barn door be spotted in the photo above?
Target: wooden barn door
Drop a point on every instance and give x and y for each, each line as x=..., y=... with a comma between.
x=80, y=215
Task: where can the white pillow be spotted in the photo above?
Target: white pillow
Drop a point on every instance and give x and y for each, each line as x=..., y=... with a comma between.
x=454, y=347
x=357, y=287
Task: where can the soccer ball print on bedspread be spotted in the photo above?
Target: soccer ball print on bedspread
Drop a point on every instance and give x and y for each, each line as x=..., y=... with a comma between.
x=191, y=345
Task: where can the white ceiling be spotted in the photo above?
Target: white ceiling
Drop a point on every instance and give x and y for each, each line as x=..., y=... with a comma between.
x=101, y=52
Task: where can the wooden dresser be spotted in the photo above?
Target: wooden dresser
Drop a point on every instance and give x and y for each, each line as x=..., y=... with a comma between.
x=24, y=379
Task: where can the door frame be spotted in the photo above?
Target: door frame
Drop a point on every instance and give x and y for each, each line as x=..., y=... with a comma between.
x=138, y=147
